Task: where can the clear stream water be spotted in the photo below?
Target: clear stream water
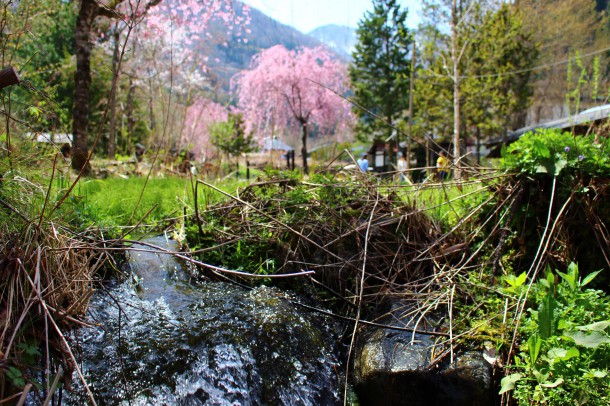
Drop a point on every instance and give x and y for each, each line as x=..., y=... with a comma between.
x=165, y=341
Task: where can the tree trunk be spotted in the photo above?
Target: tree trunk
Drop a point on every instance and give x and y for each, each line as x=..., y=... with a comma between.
x=428, y=163
x=456, y=91
x=479, y=145
x=390, y=144
x=111, y=147
x=82, y=83
x=152, y=124
x=411, y=86
x=129, y=112
x=304, y=149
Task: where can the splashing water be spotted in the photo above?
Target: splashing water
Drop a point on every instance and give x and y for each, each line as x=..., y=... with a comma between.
x=171, y=342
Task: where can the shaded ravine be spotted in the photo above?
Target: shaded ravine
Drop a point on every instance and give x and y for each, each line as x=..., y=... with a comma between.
x=163, y=340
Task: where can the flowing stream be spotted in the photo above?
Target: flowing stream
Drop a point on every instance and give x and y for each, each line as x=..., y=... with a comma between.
x=164, y=340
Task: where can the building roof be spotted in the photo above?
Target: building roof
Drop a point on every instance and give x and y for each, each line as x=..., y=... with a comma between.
x=56, y=138
x=584, y=118
x=274, y=144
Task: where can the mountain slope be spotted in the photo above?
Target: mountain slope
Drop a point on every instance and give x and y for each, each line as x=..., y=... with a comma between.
x=228, y=55
x=340, y=39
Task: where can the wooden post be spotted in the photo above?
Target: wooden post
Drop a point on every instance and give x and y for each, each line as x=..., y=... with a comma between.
x=411, y=85
x=455, y=55
x=8, y=77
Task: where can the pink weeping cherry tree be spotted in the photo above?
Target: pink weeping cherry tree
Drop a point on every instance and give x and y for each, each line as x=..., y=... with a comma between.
x=295, y=89
x=199, y=117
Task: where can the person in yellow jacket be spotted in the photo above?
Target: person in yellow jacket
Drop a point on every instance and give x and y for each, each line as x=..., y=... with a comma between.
x=442, y=166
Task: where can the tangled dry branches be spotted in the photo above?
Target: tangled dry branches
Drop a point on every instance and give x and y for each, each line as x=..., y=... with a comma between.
x=360, y=243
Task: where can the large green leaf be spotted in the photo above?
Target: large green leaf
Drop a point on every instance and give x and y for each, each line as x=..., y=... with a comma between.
x=561, y=354
x=599, y=326
x=594, y=373
x=589, y=278
x=508, y=382
x=593, y=340
x=547, y=323
x=570, y=279
x=558, y=166
x=555, y=384
x=534, y=343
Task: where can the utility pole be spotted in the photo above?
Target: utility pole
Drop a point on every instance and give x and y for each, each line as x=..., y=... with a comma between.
x=456, y=90
x=410, y=139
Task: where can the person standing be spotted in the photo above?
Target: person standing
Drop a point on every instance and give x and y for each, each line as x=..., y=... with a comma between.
x=401, y=167
x=442, y=166
x=363, y=163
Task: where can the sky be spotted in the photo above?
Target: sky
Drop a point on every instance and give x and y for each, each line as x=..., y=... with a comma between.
x=306, y=15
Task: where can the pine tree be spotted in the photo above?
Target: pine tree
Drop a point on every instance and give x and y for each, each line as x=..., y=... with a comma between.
x=380, y=72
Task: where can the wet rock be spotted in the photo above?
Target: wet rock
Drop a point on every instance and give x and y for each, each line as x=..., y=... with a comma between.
x=394, y=368
x=168, y=342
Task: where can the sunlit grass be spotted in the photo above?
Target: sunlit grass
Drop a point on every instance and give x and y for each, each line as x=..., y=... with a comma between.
x=448, y=202
x=119, y=202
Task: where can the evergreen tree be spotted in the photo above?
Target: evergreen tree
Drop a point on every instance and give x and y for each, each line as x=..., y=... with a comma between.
x=230, y=137
x=497, y=88
x=380, y=72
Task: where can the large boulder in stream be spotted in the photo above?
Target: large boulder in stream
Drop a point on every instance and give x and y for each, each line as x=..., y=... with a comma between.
x=394, y=367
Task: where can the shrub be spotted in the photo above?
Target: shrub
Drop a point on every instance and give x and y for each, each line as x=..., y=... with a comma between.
x=564, y=353
x=556, y=185
x=554, y=152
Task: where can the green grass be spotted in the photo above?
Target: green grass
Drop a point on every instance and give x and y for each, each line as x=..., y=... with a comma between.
x=446, y=202
x=125, y=202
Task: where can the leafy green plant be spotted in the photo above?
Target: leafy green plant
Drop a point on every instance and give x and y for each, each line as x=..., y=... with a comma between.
x=16, y=376
x=515, y=283
x=556, y=176
x=552, y=152
x=230, y=136
x=564, y=354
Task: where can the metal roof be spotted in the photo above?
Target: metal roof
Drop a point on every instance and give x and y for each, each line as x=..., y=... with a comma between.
x=585, y=117
x=273, y=144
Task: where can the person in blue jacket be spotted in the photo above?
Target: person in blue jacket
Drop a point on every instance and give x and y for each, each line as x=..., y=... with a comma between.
x=363, y=163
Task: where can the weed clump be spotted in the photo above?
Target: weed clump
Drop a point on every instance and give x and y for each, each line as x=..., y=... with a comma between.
x=563, y=351
x=356, y=240
x=552, y=206
x=47, y=275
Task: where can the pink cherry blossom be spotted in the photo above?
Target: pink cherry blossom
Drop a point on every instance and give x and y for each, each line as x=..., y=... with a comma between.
x=295, y=90
x=199, y=116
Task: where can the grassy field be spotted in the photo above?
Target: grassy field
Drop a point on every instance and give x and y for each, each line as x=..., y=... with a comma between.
x=125, y=202
x=446, y=202
x=117, y=202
